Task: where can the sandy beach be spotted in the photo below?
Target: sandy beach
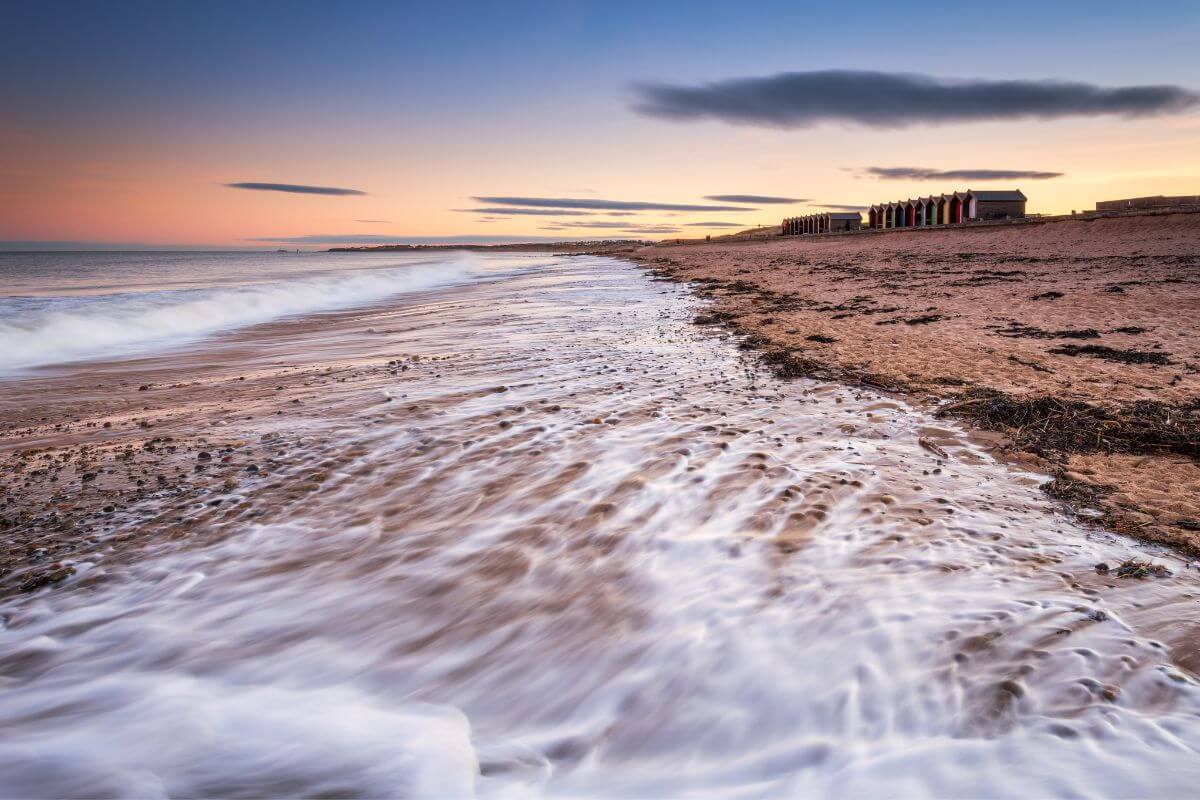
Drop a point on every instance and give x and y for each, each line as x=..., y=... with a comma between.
x=1085, y=332
x=530, y=530
x=577, y=401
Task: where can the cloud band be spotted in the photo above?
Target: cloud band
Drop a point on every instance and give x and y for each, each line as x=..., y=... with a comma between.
x=894, y=100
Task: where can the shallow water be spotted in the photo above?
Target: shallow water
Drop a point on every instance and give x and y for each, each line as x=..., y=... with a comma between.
x=59, y=307
x=582, y=548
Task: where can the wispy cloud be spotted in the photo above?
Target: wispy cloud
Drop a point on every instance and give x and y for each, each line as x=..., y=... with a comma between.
x=602, y=205
x=567, y=224
x=893, y=100
x=762, y=199
x=23, y=245
x=639, y=230
x=326, y=238
x=532, y=212
x=714, y=224
x=926, y=173
x=369, y=239
x=375, y=221
x=293, y=188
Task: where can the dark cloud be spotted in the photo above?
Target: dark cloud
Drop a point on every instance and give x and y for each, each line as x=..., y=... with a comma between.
x=653, y=229
x=532, y=212
x=926, y=173
x=294, y=188
x=764, y=199
x=893, y=100
x=714, y=224
x=602, y=205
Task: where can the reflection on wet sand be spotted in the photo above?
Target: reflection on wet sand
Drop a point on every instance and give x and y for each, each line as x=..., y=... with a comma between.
x=541, y=536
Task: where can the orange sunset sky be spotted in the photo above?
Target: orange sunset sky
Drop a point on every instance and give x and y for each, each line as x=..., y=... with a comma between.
x=129, y=135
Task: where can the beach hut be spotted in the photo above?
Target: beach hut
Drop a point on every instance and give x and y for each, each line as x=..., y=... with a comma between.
x=844, y=220
x=986, y=204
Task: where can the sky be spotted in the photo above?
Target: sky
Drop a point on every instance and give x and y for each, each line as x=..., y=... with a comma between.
x=241, y=125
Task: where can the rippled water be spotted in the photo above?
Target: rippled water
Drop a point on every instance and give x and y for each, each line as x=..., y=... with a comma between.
x=588, y=550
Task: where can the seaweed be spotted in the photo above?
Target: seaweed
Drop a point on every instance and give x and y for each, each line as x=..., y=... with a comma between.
x=1136, y=568
x=787, y=364
x=1113, y=354
x=1017, y=330
x=1050, y=424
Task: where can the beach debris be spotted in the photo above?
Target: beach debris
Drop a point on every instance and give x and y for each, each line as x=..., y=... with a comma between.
x=1070, y=489
x=924, y=320
x=931, y=447
x=1033, y=365
x=821, y=338
x=1047, y=296
x=1137, y=568
x=1112, y=354
x=1102, y=568
x=1041, y=424
x=786, y=364
x=1017, y=330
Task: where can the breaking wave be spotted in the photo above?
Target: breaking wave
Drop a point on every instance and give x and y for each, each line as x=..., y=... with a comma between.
x=38, y=331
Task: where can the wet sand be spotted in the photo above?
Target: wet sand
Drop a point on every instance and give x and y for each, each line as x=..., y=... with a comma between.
x=1100, y=312
x=543, y=536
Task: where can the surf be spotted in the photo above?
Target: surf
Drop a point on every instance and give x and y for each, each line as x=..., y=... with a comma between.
x=41, y=331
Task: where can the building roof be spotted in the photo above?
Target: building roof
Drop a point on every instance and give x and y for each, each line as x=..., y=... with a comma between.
x=844, y=215
x=1010, y=194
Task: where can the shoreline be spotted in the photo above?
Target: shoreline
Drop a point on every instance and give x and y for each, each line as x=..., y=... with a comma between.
x=132, y=454
x=1074, y=346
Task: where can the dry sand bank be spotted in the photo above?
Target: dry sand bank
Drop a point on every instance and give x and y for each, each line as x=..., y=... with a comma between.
x=1087, y=330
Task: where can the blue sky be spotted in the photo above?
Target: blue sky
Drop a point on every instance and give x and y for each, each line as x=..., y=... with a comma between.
x=483, y=94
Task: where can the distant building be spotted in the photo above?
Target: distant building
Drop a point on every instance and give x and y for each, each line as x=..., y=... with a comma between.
x=997, y=205
x=1158, y=201
x=948, y=209
x=828, y=222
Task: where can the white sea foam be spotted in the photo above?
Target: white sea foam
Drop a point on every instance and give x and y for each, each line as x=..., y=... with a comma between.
x=41, y=331
x=738, y=589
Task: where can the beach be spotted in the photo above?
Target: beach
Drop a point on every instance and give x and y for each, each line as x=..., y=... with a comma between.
x=527, y=529
x=1085, y=329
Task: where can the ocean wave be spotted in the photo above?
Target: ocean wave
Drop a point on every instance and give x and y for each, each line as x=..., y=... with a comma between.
x=41, y=331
